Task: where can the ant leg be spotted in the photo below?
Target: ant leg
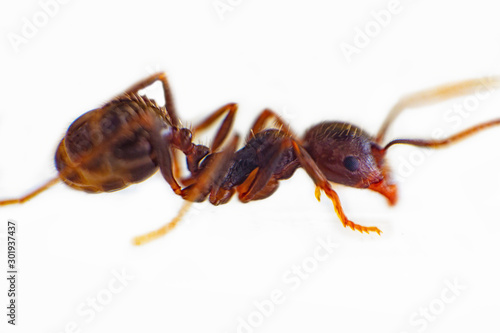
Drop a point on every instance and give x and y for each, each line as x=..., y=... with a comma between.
x=161, y=141
x=322, y=184
x=167, y=93
x=175, y=164
x=437, y=95
x=257, y=183
x=30, y=195
x=220, y=136
x=266, y=191
x=224, y=128
x=447, y=141
x=311, y=168
x=263, y=118
x=211, y=175
x=208, y=178
x=261, y=179
x=152, y=235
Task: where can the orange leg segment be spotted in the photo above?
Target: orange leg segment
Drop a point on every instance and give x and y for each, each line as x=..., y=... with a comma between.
x=322, y=184
x=30, y=195
x=207, y=179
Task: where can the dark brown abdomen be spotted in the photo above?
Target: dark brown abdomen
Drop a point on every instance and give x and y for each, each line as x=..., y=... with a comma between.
x=109, y=148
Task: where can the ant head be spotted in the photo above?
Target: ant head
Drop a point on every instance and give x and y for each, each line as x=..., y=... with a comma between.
x=347, y=155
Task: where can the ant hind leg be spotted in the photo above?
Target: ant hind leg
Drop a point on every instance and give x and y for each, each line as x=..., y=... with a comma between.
x=167, y=93
x=32, y=194
x=224, y=128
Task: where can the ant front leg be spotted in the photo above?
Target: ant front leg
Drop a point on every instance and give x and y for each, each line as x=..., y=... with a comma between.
x=322, y=184
x=263, y=181
x=436, y=95
x=251, y=187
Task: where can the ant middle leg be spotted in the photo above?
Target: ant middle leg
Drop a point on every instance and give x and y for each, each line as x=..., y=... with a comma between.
x=263, y=118
x=436, y=95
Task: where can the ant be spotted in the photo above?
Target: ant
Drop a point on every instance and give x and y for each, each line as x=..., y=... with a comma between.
x=129, y=138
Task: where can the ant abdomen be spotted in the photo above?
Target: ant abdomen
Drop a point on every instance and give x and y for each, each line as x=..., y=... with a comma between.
x=109, y=148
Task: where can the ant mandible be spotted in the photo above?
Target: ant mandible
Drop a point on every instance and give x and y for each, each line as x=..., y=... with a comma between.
x=140, y=137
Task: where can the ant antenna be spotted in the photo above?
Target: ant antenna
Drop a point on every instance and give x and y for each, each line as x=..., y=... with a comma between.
x=447, y=141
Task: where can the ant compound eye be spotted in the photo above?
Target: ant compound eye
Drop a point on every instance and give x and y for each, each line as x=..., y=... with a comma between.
x=351, y=163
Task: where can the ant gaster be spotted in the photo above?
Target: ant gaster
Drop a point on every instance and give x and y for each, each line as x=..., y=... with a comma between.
x=130, y=137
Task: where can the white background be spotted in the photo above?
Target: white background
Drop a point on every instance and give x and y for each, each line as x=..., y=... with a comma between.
x=207, y=275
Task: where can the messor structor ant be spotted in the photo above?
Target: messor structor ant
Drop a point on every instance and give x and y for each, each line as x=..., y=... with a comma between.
x=129, y=138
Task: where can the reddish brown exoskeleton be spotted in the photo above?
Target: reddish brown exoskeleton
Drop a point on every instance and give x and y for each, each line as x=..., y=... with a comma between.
x=335, y=152
x=126, y=140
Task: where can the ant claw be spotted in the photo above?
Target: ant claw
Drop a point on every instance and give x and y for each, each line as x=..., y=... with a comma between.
x=361, y=228
x=317, y=193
